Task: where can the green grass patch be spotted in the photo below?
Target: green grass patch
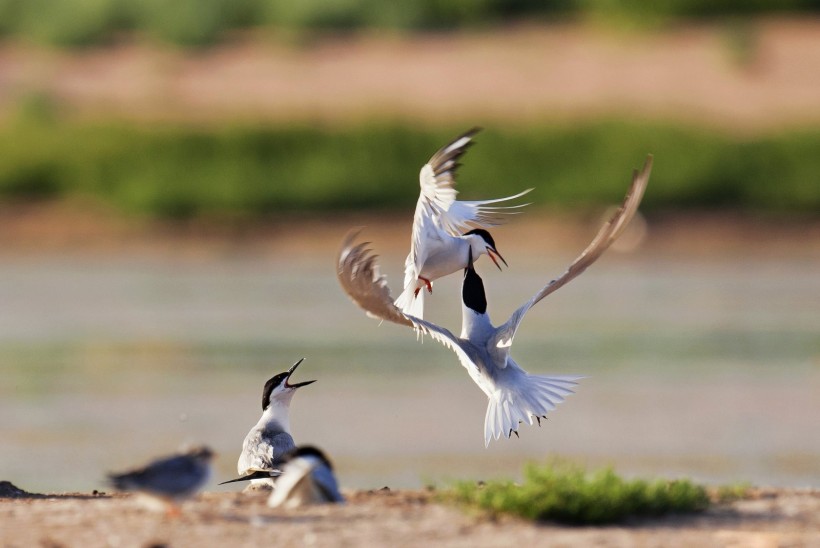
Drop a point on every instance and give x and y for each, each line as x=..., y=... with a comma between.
x=568, y=494
x=725, y=494
x=254, y=171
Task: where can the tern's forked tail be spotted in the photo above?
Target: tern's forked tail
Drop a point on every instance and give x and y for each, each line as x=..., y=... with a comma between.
x=410, y=303
x=528, y=398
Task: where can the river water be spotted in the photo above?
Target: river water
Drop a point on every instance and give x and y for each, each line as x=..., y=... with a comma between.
x=705, y=366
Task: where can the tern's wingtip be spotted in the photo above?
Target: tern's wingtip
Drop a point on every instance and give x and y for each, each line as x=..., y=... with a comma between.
x=352, y=234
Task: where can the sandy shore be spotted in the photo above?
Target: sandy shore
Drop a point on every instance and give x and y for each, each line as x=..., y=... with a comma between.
x=768, y=517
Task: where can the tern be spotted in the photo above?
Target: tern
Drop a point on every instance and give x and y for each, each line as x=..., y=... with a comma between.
x=270, y=439
x=170, y=479
x=444, y=229
x=483, y=349
x=307, y=478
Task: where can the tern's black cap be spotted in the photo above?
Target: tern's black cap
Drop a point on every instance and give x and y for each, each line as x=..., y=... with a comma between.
x=484, y=235
x=308, y=451
x=279, y=379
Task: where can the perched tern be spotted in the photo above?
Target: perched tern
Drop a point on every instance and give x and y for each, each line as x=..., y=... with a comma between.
x=171, y=479
x=483, y=349
x=307, y=478
x=444, y=229
x=270, y=439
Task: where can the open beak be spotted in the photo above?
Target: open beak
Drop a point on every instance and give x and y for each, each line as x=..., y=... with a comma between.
x=290, y=372
x=492, y=253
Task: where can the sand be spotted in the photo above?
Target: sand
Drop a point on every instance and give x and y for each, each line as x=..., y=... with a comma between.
x=767, y=517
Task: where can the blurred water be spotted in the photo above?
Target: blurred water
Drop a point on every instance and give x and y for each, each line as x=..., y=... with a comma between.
x=698, y=366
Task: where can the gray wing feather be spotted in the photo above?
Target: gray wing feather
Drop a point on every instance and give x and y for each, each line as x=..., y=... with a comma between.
x=608, y=233
x=325, y=481
x=437, y=200
x=359, y=276
x=172, y=476
x=264, y=450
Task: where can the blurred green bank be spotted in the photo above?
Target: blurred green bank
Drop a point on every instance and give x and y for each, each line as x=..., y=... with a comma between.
x=252, y=171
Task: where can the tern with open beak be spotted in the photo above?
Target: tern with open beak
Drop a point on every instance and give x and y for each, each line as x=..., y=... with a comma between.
x=444, y=229
x=270, y=439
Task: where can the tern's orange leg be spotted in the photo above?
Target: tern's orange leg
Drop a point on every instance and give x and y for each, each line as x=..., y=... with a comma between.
x=427, y=283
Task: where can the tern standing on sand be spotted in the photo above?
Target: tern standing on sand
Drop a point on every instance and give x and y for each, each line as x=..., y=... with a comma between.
x=169, y=480
x=270, y=439
x=307, y=478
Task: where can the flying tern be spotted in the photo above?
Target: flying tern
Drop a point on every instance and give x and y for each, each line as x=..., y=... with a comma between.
x=483, y=349
x=171, y=479
x=307, y=478
x=444, y=229
x=269, y=440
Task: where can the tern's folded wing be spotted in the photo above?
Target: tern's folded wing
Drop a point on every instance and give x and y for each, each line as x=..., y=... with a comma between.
x=256, y=474
x=608, y=233
x=176, y=474
x=326, y=484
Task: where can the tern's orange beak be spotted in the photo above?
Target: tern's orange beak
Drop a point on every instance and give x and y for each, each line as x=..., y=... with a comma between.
x=492, y=253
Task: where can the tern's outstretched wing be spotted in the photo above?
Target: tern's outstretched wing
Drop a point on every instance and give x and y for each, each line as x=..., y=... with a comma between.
x=437, y=207
x=446, y=337
x=359, y=276
x=608, y=233
x=437, y=199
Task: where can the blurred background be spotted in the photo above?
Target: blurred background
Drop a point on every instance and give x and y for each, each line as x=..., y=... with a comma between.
x=176, y=177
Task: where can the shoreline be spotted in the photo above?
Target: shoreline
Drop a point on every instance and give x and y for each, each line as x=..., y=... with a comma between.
x=765, y=517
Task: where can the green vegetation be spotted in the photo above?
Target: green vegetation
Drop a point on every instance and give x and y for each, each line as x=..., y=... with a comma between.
x=204, y=22
x=251, y=171
x=568, y=494
x=729, y=493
